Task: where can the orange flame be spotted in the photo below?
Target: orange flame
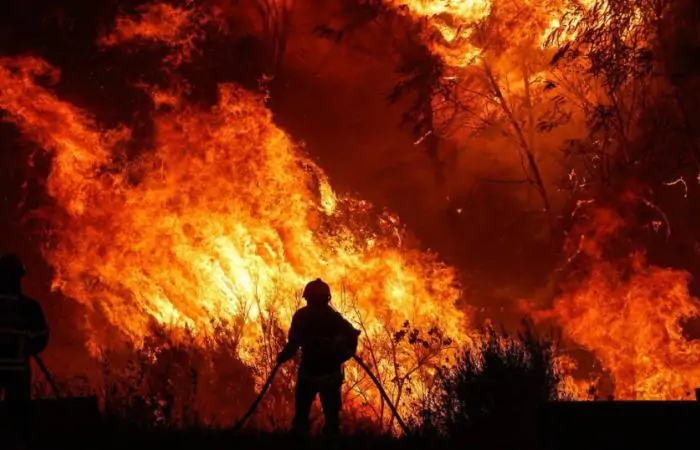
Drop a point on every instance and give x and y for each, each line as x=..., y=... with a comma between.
x=453, y=26
x=630, y=315
x=223, y=219
x=180, y=28
x=634, y=326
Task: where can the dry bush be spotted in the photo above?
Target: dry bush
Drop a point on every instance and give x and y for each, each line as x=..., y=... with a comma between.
x=491, y=396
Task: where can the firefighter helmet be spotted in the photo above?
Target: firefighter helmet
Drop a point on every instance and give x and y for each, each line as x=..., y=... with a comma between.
x=317, y=289
x=11, y=266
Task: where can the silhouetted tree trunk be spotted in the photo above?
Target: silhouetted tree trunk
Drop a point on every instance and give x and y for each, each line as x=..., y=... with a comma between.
x=525, y=141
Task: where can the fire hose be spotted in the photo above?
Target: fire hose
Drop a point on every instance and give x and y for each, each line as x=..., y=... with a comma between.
x=47, y=375
x=364, y=367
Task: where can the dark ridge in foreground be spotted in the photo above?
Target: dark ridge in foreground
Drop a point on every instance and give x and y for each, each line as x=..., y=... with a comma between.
x=559, y=425
x=501, y=394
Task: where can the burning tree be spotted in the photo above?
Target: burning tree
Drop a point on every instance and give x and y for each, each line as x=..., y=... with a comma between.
x=487, y=78
x=601, y=81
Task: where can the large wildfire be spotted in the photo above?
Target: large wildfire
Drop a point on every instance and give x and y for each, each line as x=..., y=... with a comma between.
x=221, y=218
x=224, y=219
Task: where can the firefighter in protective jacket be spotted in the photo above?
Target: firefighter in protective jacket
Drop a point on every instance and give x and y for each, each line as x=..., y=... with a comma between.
x=326, y=340
x=23, y=333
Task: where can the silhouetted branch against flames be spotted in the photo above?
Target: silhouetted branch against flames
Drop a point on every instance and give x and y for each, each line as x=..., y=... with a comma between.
x=622, y=46
x=462, y=83
x=617, y=67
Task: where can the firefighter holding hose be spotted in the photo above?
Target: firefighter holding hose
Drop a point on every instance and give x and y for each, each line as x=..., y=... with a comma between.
x=23, y=333
x=327, y=340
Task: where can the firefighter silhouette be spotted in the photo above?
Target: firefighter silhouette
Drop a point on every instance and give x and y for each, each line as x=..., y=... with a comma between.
x=326, y=340
x=23, y=333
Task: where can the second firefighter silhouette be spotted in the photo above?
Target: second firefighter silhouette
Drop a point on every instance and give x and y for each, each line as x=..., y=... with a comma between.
x=23, y=333
x=326, y=340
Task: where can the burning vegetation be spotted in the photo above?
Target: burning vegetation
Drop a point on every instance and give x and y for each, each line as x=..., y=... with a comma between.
x=220, y=222
x=190, y=248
